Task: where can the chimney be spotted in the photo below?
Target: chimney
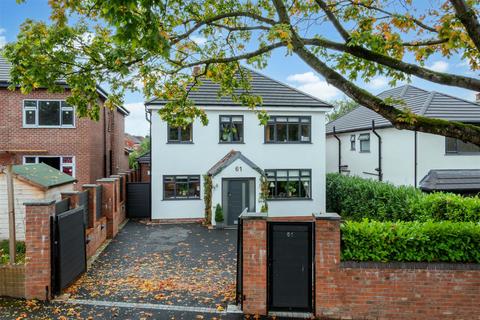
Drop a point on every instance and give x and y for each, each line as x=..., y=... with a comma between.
x=477, y=98
x=196, y=70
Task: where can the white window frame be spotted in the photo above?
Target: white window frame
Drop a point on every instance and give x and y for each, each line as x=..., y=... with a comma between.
x=36, y=125
x=364, y=137
x=62, y=165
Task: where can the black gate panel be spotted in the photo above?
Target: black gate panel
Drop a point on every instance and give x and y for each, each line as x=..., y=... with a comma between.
x=138, y=200
x=69, y=248
x=290, y=258
x=83, y=202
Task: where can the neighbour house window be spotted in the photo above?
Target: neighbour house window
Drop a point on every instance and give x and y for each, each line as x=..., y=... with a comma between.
x=64, y=164
x=455, y=146
x=289, y=183
x=352, y=142
x=231, y=129
x=364, y=139
x=281, y=129
x=180, y=134
x=47, y=113
x=181, y=187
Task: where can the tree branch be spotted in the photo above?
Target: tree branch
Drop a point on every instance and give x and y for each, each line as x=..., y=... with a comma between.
x=467, y=16
x=343, y=32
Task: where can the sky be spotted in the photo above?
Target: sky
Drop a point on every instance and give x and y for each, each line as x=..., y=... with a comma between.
x=288, y=69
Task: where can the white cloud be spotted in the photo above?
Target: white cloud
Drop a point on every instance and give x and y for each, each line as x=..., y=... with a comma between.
x=136, y=123
x=199, y=40
x=439, y=66
x=378, y=83
x=312, y=84
x=3, y=39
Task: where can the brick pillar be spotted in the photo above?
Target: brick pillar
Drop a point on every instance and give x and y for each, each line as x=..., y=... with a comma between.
x=327, y=261
x=255, y=264
x=38, y=249
x=73, y=196
x=92, y=203
x=109, y=205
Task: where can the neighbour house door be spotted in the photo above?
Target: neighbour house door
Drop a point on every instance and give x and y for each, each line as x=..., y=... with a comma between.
x=290, y=268
x=238, y=198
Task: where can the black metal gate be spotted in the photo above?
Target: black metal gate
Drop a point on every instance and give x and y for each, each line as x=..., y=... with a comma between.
x=138, y=200
x=290, y=266
x=69, y=247
x=239, y=291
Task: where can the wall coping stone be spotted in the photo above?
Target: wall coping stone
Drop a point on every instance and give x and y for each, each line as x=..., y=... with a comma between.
x=254, y=215
x=70, y=193
x=90, y=185
x=39, y=202
x=328, y=216
x=410, y=265
x=107, y=180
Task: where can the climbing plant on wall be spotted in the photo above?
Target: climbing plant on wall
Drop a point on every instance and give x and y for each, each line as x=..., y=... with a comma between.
x=207, y=187
x=263, y=194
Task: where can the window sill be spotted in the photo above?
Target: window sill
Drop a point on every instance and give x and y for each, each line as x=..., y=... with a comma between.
x=290, y=199
x=288, y=142
x=48, y=127
x=462, y=154
x=233, y=142
x=173, y=142
x=180, y=199
x=364, y=151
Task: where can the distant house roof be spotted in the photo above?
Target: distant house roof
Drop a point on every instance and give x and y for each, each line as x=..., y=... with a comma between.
x=228, y=159
x=5, y=67
x=273, y=93
x=42, y=175
x=451, y=180
x=426, y=103
x=144, y=158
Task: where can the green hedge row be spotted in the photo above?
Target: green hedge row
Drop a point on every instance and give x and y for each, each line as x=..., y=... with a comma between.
x=430, y=241
x=356, y=198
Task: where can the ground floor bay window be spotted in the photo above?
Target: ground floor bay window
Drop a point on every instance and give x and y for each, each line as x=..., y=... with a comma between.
x=180, y=187
x=66, y=164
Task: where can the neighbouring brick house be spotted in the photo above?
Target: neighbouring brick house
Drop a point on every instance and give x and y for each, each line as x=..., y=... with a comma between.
x=41, y=127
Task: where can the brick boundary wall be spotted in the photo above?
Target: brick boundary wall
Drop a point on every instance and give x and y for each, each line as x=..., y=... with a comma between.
x=366, y=290
x=12, y=280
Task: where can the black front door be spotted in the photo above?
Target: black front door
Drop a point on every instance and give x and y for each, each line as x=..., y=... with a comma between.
x=238, y=199
x=290, y=266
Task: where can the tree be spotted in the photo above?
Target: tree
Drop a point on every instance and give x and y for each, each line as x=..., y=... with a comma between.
x=142, y=149
x=124, y=43
x=340, y=108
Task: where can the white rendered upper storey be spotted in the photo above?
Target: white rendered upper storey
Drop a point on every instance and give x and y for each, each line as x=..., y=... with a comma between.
x=365, y=144
x=236, y=151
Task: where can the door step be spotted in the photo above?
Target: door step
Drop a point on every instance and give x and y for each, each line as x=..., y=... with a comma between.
x=287, y=314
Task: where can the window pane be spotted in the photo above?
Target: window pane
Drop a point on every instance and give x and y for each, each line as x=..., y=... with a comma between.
x=30, y=160
x=270, y=133
x=68, y=170
x=293, y=173
x=237, y=119
x=467, y=147
x=305, y=133
x=67, y=117
x=450, y=144
x=186, y=133
x=30, y=117
x=292, y=119
x=225, y=119
x=225, y=132
x=67, y=160
x=281, y=173
x=169, y=187
x=281, y=119
x=305, y=120
x=282, y=190
x=281, y=132
x=30, y=103
x=365, y=145
x=293, y=131
x=194, y=189
x=237, y=132
x=173, y=134
x=49, y=113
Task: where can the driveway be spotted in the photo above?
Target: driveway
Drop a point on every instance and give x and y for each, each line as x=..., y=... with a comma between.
x=181, y=265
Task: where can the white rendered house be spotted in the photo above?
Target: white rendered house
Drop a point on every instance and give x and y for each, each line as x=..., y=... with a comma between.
x=365, y=144
x=236, y=151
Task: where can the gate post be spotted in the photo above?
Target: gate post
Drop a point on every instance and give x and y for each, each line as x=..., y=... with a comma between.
x=110, y=205
x=73, y=196
x=38, y=243
x=254, y=263
x=327, y=264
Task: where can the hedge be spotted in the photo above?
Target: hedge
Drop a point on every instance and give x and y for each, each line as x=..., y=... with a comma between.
x=430, y=241
x=356, y=198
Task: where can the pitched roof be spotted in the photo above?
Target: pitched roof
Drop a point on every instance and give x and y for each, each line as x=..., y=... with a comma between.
x=144, y=158
x=5, y=67
x=273, y=93
x=426, y=103
x=451, y=180
x=228, y=159
x=42, y=175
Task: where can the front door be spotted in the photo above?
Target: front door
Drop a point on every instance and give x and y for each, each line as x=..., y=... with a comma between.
x=290, y=266
x=238, y=199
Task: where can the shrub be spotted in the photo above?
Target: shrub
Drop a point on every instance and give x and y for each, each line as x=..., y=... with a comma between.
x=411, y=241
x=4, y=252
x=218, y=213
x=355, y=198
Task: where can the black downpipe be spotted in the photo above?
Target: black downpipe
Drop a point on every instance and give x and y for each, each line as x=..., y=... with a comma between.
x=379, y=169
x=415, y=156
x=149, y=119
x=339, y=150
x=105, y=129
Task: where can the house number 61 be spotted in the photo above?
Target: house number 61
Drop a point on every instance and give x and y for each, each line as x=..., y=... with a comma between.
x=238, y=169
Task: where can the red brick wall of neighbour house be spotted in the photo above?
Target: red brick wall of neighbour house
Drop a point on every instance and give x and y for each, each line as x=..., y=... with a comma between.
x=120, y=158
x=390, y=291
x=144, y=172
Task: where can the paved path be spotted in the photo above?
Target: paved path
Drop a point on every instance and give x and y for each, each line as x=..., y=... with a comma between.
x=182, y=265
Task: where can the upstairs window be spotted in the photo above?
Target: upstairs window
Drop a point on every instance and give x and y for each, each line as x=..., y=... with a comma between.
x=231, y=129
x=289, y=183
x=47, y=113
x=352, y=142
x=282, y=129
x=180, y=134
x=364, y=139
x=455, y=146
x=181, y=187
